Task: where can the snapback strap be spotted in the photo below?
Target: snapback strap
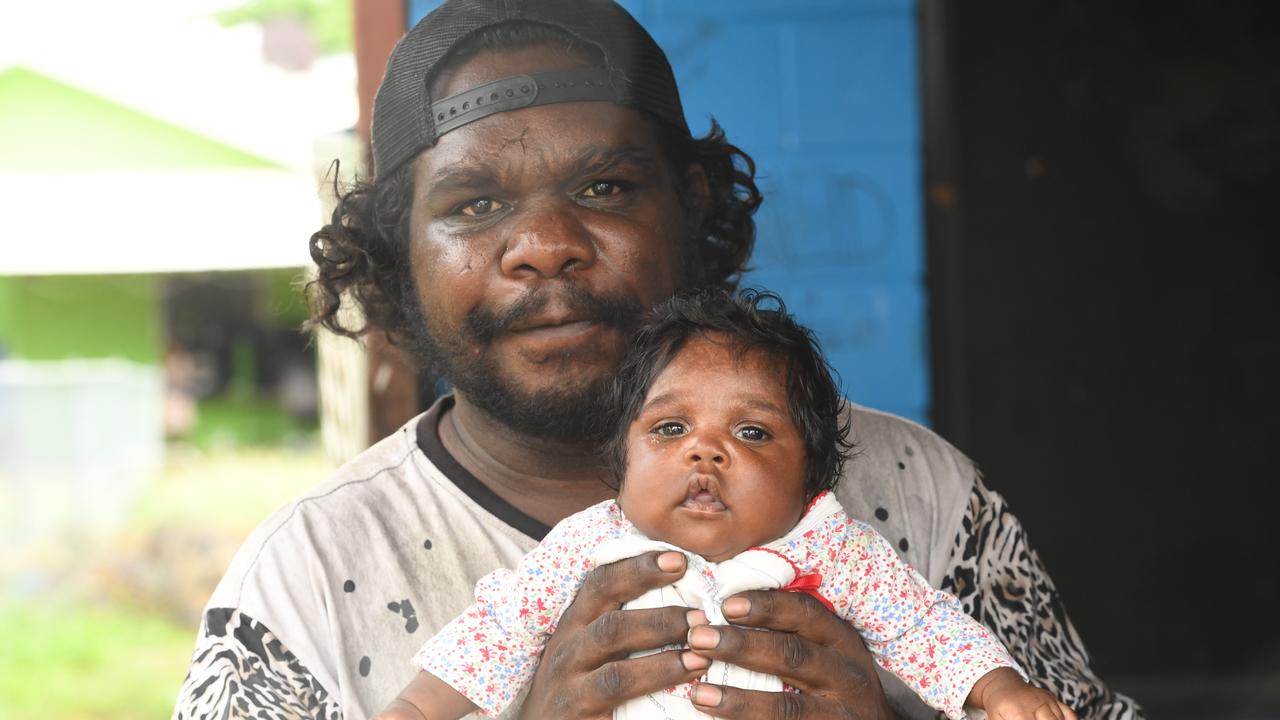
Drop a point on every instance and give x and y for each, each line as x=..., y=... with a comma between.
x=519, y=91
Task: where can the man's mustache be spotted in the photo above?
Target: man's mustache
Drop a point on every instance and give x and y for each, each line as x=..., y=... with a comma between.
x=486, y=325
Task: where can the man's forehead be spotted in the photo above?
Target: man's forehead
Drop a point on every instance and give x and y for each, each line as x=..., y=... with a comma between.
x=569, y=137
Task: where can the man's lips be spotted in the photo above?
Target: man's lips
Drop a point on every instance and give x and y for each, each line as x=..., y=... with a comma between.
x=556, y=329
x=550, y=306
x=542, y=340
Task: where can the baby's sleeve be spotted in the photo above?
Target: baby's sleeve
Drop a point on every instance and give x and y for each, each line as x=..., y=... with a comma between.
x=918, y=633
x=491, y=650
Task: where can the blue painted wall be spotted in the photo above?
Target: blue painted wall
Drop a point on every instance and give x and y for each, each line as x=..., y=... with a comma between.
x=824, y=95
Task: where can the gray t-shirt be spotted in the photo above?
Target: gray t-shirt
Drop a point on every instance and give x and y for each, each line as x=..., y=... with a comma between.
x=327, y=601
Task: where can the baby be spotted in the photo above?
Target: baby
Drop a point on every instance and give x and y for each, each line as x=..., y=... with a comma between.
x=729, y=439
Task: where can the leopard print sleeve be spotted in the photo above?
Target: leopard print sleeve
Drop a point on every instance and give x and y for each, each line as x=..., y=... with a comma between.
x=240, y=669
x=1001, y=581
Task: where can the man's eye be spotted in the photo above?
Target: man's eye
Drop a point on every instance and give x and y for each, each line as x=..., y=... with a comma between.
x=753, y=433
x=481, y=207
x=669, y=429
x=603, y=188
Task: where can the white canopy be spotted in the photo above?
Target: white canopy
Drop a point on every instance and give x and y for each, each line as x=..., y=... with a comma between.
x=155, y=221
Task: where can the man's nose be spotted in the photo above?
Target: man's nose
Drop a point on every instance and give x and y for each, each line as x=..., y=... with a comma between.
x=547, y=239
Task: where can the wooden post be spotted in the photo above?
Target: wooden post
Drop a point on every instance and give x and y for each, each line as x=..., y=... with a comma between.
x=368, y=388
x=392, y=379
x=378, y=25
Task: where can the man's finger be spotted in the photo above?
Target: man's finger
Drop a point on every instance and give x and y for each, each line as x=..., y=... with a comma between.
x=799, y=662
x=612, y=684
x=731, y=702
x=609, y=586
x=787, y=612
x=618, y=633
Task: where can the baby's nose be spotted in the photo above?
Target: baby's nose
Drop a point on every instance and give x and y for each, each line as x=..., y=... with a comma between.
x=702, y=452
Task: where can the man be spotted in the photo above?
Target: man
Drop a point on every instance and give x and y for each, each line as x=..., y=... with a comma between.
x=537, y=188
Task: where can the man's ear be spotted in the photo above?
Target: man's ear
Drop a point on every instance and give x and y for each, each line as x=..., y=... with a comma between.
x=695, y=178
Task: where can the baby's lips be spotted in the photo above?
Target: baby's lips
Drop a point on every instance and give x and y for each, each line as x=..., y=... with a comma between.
x=706, y=503
x=703, y=483
x=703, y=494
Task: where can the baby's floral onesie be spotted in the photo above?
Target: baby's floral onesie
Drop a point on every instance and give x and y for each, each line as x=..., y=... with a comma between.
x=922, y=635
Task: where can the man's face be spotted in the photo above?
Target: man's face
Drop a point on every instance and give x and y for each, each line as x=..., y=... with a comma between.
x=715, y=464
x=537, y=237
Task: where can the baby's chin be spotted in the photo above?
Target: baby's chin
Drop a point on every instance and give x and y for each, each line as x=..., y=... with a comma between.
x=716, y=552
x=711, y=535
x=721, y=557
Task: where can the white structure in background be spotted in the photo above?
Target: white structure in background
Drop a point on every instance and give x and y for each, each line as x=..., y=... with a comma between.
x=82, y=436
x=171, y=60
x=179, y=221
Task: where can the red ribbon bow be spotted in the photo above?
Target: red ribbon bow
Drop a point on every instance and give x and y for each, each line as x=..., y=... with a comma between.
x=809, y=584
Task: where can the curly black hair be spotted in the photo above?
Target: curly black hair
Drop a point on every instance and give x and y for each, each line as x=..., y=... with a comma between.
x=753, y=321
x=362, y=254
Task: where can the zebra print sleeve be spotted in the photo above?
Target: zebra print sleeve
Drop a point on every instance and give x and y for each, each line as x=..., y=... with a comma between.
x=1001, y=582
x=240, y=670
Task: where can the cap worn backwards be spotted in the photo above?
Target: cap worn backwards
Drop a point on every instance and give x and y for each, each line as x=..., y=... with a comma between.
x=406, y=119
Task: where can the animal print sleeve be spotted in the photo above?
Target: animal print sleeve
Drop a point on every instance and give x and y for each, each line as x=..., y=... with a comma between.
x=1000, y=580
x=240, y=669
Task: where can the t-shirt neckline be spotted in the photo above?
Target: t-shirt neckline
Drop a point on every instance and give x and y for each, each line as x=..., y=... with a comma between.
x=428, y=437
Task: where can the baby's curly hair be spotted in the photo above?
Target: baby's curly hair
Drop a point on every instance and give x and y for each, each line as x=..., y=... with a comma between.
x=752, y=321
x=363, y=253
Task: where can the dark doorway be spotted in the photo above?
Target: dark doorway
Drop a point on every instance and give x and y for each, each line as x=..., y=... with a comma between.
x=1105, y=282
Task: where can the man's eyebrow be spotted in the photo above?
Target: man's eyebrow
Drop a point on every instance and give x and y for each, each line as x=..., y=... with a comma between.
x=593, y=159
x=463, y=176
x=589, y=160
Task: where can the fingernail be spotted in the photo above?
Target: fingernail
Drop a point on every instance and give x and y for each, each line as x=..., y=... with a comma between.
x=737, y=607
x=704, y=637
x=693, y=661
x=670, y=562
x=707, y=695
x=695, y=618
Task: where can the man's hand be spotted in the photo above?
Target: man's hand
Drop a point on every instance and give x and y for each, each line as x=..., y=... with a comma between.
x=810, y=649
x=585, y=671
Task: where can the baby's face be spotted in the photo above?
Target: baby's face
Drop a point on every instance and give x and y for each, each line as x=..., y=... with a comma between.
x=715, y=464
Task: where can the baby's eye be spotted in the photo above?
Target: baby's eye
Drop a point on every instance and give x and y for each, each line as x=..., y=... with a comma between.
x=602, y=188
x=480, y=207
x=753, y=433
x=670, y=428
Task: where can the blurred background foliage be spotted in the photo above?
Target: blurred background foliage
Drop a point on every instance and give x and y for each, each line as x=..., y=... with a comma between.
x=327, y=21
x=102, y=625
x=158, y=397
x=119, y=543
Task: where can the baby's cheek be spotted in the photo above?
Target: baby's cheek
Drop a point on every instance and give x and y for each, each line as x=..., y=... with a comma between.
x=631, y=507
x=624, y=501
x=638, y=482
x=642, y=510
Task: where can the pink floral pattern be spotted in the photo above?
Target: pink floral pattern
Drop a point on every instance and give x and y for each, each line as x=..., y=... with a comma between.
x=918, y=633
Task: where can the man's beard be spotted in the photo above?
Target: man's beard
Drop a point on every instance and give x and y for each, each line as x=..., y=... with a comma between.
x=569, y=414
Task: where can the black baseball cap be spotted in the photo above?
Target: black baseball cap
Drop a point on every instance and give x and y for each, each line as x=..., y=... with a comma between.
x=406, y=119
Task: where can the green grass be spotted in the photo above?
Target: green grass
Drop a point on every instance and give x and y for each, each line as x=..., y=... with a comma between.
x=231, y=491
x=236, y=420
x=86, y=648
x=79, y=662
